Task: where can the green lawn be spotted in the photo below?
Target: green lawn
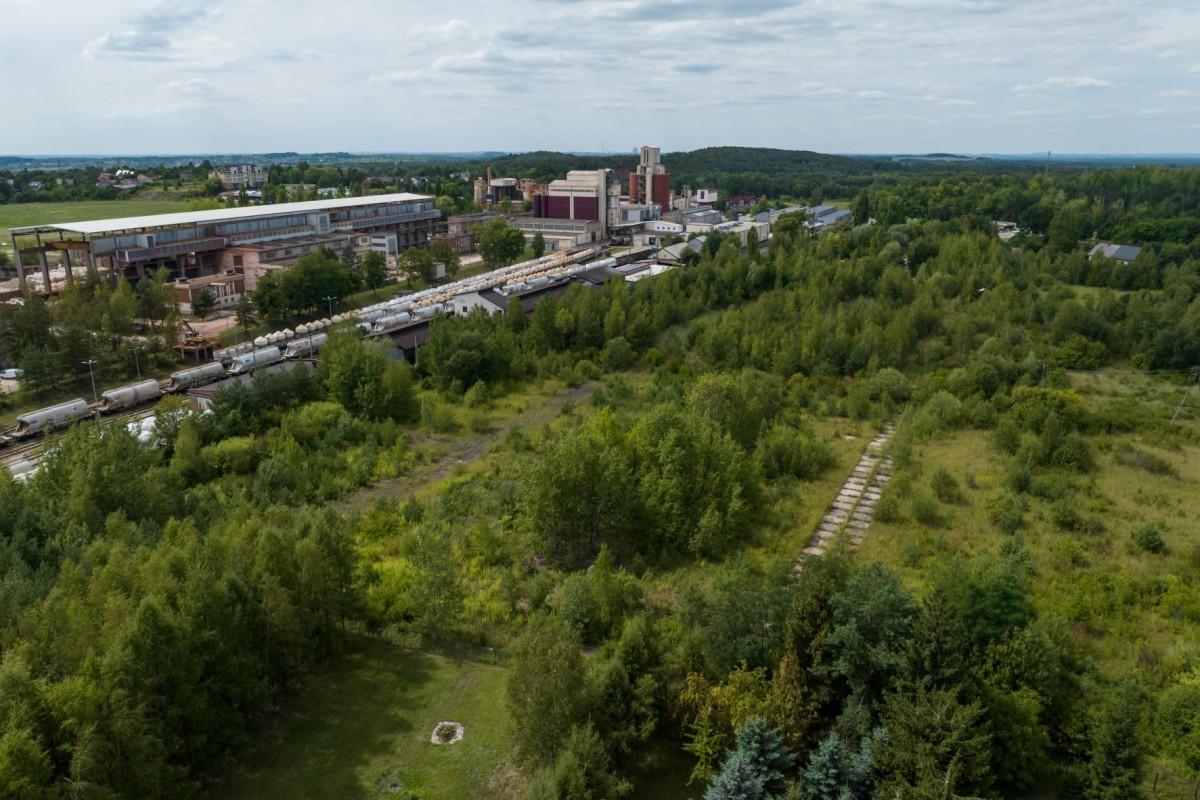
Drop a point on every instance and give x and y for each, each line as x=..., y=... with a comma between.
x=372, y=715
x=17, y=215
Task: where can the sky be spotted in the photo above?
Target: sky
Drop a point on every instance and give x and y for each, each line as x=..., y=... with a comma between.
x=852, y=76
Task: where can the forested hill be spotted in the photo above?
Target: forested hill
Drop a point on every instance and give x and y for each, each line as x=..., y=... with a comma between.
x=707, y=160
x=754, y=171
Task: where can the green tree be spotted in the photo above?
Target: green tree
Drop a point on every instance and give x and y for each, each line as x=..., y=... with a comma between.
x=441, y=252
x=763, y=747
x=243, y=311
x=537, y=245
x=545, y=688
x=738, y=779
x=499, y=244
x=862, y=208
x=373, y=267
x=270, y=298
x=934, y=747
x=204, y=302
x=1117, y=749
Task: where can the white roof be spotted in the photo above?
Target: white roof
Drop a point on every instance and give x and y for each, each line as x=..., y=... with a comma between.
x=220, y=214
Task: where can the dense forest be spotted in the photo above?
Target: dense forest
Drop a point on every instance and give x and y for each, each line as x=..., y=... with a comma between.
x=1032, y=635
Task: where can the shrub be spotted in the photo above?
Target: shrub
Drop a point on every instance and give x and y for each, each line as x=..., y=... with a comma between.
x=478, y=396
x=1148, y=538
x=942, y=413
x=786, y=451
x=925, y=510
x=1006, y=511
x=888, y=508
x=436, y=416
x=617, y=354
x=1065, y=516
x=237, y=454
x=945, y=487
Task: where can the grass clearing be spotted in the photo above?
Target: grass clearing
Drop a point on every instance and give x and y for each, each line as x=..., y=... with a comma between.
x=18, y=215
x=373, y=714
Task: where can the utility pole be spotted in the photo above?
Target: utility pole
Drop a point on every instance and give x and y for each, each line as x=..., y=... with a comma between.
x=329, y=299
x=136, y=364
x=95, y=399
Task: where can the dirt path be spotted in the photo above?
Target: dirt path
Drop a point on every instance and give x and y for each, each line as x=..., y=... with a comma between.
x=854, y=507
x=454, y=451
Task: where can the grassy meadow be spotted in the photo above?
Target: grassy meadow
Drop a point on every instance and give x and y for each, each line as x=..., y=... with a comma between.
x=367, y=722
x=18, y=215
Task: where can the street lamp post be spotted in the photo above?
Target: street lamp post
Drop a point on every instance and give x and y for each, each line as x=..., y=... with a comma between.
x=136, y=364
x=329, y=299
x=95, y=398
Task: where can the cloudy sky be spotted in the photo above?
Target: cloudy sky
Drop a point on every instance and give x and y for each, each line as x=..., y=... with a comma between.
x=852, y=76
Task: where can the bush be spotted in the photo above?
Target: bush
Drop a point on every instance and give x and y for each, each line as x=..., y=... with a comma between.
x=945, y=487
x=436, y=416
x=1065, y=516
x=237, y=454
x=1148, y=538
x=478, y=396
x=617, y=354
x=941, y=414
x=888, y=508
x=1006, y=511
x=925, y=510
x=787, y=451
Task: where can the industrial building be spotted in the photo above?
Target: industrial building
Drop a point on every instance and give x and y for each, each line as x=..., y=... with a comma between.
x=199, y=243
x=650, y=183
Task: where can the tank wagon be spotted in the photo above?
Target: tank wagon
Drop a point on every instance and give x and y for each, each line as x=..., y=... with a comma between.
x=126, y=396
x=251, y=361
x=48, y=419
x=305, y=346
x=196, y=376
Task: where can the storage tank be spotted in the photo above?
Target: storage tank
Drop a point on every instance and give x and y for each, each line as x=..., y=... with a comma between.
x=302, y=330
x=261, y=341
x=126, y=396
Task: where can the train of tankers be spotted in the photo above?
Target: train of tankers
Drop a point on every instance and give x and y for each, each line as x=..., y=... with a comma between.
x=306, y=340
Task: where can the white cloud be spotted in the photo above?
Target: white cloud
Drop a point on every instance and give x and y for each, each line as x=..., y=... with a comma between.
x=963, y=75
x=1078, y=82
x=1180, y=93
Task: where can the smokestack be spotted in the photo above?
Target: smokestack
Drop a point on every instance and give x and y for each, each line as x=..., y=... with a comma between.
x=489, y=174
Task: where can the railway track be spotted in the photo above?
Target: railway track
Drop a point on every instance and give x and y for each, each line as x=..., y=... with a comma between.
x=31, y=450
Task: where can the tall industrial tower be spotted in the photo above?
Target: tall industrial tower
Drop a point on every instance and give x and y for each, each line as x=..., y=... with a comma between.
x=651, y=183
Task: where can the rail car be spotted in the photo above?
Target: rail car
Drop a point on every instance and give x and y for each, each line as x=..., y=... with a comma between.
x=196, y=376
x=252, y=361
x=127, y=396
x=306, y=346
x=51, y=418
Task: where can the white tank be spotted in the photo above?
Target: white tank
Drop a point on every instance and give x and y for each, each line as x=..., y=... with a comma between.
x=261, y=341
x=301, y=330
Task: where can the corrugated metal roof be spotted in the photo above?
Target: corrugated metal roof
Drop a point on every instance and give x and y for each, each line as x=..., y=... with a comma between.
x=98, y=226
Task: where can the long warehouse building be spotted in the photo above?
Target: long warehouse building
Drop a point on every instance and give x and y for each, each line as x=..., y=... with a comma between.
x=195, y=244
